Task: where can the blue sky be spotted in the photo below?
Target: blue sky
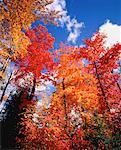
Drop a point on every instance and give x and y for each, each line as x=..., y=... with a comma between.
x=93, y=13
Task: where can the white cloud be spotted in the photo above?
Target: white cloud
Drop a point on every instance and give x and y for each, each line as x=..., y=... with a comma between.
x=72, y=25
x=113, y=33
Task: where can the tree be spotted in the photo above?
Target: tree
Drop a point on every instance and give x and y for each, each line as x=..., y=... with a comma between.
x=70, y=111
x=102, y=62
x=38, y=56
x=29, y=70
x=17, y=17
x=80, y=111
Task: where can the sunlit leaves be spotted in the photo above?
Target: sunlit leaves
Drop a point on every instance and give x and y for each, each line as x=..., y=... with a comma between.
x=38, y=56
x=16, y=17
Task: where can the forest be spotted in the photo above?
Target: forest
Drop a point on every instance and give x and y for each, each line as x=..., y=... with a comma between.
x=55, y=99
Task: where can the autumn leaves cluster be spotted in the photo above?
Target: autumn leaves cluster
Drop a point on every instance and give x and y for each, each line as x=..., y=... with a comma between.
x=84, y=110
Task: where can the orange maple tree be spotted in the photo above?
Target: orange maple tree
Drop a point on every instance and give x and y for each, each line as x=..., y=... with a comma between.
x=102, y=63
x=80, y=111
x=72, y=105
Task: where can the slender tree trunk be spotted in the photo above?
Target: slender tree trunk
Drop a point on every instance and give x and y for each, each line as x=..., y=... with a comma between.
x=101, y=87
x=66, y=117
x=119, y=86
x=65, y=104
x=6, y=87
x=5, y=65
x=33, y=89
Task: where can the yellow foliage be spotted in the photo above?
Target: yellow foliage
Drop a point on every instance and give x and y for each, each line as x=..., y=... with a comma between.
x=77, y=81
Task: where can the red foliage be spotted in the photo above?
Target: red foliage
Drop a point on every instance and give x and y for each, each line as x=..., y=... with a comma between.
x=38, y=56
x=79, y=116
x=102, y=62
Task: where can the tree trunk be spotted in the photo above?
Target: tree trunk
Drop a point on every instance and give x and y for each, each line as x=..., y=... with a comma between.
x=65, y=104
x=33, y=89
x=5, y=87
x=101, y=87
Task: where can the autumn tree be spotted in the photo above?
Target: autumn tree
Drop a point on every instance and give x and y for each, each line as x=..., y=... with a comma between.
x=72, y=106
x=82, y=108
x=102, y=63
x=29, y=72
x=16, y=18
x=38, y=57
